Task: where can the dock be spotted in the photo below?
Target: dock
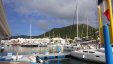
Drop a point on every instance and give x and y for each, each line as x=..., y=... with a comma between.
x=52, y=55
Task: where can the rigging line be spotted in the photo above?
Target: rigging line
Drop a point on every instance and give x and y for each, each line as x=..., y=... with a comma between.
x=75, y=13
x=74, y=16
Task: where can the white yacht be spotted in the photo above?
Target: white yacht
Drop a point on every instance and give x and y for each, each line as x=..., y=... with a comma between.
x=71, y=47
x=89, y=55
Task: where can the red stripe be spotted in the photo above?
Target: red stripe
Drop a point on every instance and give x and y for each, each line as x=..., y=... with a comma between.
x=106, y=13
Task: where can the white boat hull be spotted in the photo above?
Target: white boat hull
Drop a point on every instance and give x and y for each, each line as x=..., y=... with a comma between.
x=71, y=48
x=96, y=57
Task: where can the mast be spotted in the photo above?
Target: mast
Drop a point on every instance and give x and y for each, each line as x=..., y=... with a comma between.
x=30, y=31
x=77, y=16
x=53, y=34
x=83, y=27
x=59, y=35
x=49, y=34
x=82, y=30
x=44, y=34
x=87, y=27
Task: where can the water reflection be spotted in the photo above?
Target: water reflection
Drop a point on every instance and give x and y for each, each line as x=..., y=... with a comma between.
x=67, y=61
x=25, y=51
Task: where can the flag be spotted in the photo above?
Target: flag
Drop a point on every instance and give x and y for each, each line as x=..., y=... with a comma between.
x=100, y=1
x=104, y=6
x=106, y=10
x=107, y=14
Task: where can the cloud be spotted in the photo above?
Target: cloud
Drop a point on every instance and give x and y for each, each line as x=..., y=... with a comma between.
x=43, y=25
x=63, y=10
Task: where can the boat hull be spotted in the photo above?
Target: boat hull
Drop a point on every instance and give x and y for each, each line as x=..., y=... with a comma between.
x=95, y=57
x=29, y=45
x=15, y=44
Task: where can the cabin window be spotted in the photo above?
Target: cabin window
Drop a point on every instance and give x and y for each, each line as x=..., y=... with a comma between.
x=97, y=56
x=91, y=52
x=85, y=51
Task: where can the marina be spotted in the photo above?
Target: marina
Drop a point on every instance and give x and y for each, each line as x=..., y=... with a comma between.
x=51, y=57
x=56, y=32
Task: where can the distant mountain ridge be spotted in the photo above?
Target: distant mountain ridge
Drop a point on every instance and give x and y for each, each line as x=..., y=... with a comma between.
x=71, y=32
x=66, y=32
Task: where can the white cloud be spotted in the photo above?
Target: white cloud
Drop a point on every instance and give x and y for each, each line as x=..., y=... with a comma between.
x=62, y=9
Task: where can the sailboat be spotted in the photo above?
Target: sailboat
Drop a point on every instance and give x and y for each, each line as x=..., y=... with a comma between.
x=95, y=55
x=29, y=43
x=74, y=46
x=77, y=38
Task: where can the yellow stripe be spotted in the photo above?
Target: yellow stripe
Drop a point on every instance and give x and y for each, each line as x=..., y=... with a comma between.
x=111, y=20
x=100, y=25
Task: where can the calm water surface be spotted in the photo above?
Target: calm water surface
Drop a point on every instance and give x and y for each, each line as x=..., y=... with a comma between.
x=25, y=51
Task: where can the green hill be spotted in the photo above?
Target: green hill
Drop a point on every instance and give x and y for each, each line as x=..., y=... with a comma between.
x=71, y=32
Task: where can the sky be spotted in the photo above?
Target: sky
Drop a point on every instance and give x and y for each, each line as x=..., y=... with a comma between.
x=44, y=15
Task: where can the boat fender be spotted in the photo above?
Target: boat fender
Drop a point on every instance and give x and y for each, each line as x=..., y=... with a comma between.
x=83, y=56
x=39, y=60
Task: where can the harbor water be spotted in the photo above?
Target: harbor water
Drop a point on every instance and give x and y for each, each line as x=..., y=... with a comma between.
x=29, y=50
